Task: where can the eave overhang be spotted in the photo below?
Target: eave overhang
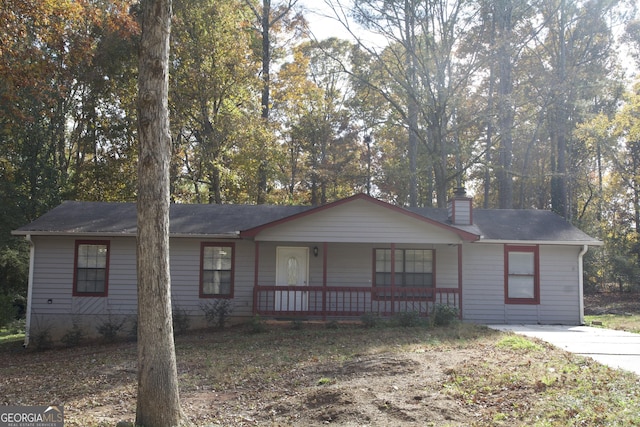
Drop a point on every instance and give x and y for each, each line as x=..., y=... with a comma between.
x=542, y=242
x=95, y=234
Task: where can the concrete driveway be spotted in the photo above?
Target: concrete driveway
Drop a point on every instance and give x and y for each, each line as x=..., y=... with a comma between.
x=617, y=349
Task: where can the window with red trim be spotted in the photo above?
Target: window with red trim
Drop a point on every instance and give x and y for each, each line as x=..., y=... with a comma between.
x=409, y=271
x=522, y=275
x=91, y=270
x=216, y=270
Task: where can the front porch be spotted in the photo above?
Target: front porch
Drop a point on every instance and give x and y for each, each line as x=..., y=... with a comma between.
x=348, y=301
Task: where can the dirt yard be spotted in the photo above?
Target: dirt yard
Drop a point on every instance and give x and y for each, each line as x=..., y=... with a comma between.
x=347, y=376
x=343, y=375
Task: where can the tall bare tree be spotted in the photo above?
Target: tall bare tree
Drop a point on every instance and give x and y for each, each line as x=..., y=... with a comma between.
x=268, y=17
x=424, y=82
x=158, y=398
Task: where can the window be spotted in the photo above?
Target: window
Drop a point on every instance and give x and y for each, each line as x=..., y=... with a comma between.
x=408, y=268
x=216, y=272
x=522, y=283
x=91, y=273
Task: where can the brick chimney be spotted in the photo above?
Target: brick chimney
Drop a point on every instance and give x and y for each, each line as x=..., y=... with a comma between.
x=459, y=208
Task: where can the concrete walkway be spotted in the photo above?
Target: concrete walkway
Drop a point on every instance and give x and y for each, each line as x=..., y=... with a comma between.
x=617, y=349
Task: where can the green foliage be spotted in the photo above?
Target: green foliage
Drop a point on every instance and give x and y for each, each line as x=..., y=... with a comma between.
x=409, y=319
x=7, y=310
x=132, y=332
x=17, y=326
x=181, y=320
x=110, y=326
x=444, y=315
x=370, y=320
x=217, y=312
x=13, y=333
x=74, y=336
x=40, y=338
x=297, y=324
x=14, y=268
x=333, y=324
x=257, y=325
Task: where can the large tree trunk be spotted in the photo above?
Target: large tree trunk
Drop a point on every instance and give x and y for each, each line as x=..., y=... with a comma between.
x=412, y=107
x=503, y=11
x=266, y=93
x=158, y=402
x=558, y=125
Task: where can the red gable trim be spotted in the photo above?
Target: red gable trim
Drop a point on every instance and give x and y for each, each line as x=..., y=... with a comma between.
x=464, y=235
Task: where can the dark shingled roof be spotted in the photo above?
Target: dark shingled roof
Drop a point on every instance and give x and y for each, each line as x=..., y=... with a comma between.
x=87, y=218
x=185, y=219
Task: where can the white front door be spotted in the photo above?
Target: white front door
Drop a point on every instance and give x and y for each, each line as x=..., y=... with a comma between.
x=292, y=269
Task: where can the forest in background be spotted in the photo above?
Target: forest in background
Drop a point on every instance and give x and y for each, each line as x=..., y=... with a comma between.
x=527, y=104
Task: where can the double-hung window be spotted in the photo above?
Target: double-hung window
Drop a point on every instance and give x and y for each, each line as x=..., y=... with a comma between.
x=409, y=271
x=522, y=277
x=216, y=272
x=91, y=273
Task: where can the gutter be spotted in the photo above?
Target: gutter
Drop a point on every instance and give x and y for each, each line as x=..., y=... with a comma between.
x=95, y=234
x=32, y=257
x=543, y=242
x=583, y=251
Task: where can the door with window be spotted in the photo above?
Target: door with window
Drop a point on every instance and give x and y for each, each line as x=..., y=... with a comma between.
x=292, y=269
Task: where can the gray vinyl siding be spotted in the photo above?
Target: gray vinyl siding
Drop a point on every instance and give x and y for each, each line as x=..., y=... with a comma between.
x=52, y=276
x=185, y=276
x=483, y=283
x=559, y=290
x=348, y=264
x=346, y=223
x=483, y=287
x=53, y=303
x=53, y=280
x=446, y=266
x=123, y=288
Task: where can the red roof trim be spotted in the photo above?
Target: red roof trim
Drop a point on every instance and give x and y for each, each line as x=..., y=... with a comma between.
x=252, y=232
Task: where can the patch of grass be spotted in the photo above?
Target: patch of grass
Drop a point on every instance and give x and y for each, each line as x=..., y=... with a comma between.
x=621, y=322
x=8, y=337
x=518, y=342
x=12, y=333
x=544, y=388
x=324, y=381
